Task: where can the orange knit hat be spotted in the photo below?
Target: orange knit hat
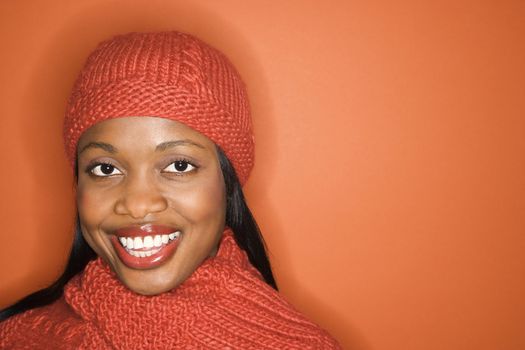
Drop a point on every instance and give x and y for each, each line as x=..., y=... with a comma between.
x=170, y=75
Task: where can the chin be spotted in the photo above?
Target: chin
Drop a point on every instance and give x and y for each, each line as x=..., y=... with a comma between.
x=148, y=282
x=151, y=290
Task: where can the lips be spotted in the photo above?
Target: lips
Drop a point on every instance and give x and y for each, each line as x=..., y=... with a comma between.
x=146, y=246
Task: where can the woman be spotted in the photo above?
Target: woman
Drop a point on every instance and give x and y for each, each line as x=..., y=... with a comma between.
x=159, y=133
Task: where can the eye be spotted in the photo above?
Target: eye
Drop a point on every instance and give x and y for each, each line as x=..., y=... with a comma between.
x=180, y=166
x=104, y=170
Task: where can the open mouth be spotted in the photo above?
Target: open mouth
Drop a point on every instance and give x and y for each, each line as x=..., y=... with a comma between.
x=145, y=247
x=142, y=247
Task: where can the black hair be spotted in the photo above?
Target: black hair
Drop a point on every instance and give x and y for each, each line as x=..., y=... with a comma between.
x=238, y=217
x=81, y=254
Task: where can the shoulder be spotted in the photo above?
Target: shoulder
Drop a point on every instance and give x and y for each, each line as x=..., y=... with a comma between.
x=43, y=327
x=253, y=303
x=252, y=314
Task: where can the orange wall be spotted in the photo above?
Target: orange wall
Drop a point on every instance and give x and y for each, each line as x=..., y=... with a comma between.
x=390, y=174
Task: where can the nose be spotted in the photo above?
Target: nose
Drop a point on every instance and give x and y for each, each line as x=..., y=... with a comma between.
x=139, y=198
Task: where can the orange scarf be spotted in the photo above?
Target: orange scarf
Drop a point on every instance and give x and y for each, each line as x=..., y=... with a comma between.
x=223, y=305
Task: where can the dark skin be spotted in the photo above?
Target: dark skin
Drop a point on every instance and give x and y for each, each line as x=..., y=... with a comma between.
x=146, y=170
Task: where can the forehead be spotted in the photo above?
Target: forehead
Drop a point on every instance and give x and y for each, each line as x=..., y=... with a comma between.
x=141, y=132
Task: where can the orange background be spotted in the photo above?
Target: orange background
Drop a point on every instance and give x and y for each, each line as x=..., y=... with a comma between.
x=390, y=171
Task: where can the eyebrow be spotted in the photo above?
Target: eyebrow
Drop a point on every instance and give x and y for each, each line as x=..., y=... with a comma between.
x=102, y=145
x=170, y=144
x=160, y=147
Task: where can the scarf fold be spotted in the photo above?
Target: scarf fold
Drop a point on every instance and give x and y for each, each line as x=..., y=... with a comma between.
x=224, y=304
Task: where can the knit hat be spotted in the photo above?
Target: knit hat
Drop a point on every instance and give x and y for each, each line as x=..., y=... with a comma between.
x=170, y=75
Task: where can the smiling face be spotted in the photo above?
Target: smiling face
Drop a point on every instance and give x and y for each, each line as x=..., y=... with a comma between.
x=151, y=199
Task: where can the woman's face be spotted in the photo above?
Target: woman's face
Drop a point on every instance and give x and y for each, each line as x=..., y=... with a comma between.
x=151, y=199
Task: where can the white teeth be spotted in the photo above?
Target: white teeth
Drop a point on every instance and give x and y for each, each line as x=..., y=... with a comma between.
x=137, y=243
x=143, y=254
x=174, y=235
x=148, y=242
x=157, y=241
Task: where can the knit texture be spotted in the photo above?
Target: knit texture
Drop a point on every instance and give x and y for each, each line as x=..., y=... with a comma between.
x=223, y=305
x=165, y=74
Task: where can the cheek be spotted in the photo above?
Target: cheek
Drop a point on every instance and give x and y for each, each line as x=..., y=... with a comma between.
x=90, y=208
x=83, y=199
x=204, y=203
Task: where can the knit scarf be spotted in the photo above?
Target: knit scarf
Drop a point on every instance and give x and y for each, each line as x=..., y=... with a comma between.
x=224, y=304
